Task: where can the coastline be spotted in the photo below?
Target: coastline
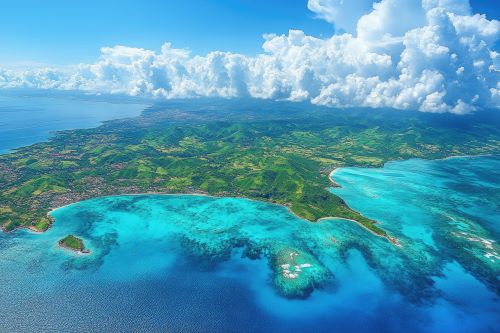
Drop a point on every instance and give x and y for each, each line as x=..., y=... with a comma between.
x=391, y=239
x=335, y=184
x=84, y=252
x=332, y=180
x=330, y=176
x=464, y=156
x=74, y=244
x=336, y=169
x=142, y=107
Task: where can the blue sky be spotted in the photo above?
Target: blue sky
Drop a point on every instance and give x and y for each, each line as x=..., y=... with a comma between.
x=64, y=32
x=38, y=30
x=426, y=55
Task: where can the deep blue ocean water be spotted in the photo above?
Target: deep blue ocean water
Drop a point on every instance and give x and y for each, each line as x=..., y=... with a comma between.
x=26, y=119
x=181, y=263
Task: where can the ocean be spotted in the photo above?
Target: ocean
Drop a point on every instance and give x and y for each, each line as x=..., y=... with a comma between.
x=26, y=119
x=194, y=263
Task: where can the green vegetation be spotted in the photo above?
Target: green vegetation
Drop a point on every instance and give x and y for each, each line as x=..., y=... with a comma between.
x=279, y=153
x=73, y=243
x=42, y=224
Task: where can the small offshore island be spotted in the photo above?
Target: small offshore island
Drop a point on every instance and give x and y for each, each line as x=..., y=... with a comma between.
x=74, y=244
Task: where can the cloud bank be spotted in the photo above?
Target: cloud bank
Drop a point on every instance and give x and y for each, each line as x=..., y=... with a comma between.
x=427, y=55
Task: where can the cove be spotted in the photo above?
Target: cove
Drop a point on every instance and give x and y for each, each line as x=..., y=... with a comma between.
x=184, y=263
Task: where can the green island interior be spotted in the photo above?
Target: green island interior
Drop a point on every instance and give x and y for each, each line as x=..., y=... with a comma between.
x=236, y=149
x=73, y=243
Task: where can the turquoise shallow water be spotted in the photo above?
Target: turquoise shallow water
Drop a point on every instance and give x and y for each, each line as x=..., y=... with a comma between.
x=191, y=263
x=440, y=204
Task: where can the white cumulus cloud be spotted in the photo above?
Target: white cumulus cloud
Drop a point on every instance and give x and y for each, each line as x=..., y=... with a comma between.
x=427, y=55
x=343, y=13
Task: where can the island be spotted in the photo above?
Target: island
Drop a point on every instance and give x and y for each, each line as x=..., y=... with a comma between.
x=277, y=152
x=74, y=244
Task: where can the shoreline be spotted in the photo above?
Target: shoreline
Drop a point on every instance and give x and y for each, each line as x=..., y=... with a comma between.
x=74, y=244
x=52, y=133
x=391, y=239
x=330, y=176
x=84, y=252
x=336, y=169
x=335, y=184
x=463, y=156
